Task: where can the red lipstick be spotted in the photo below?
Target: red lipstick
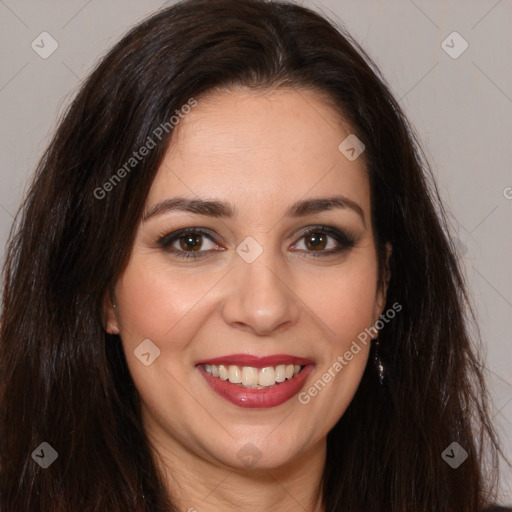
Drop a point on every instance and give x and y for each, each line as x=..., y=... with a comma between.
x=271, y=396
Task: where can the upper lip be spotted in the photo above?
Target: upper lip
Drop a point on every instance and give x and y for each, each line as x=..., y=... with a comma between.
x=256, y=361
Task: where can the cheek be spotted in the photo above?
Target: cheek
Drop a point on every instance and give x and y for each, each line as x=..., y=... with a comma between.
x=345, y=304
x=344, y=298
x=155, y=299
x=168, y=307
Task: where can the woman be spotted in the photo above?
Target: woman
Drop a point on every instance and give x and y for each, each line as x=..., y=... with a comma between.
x=231, y=287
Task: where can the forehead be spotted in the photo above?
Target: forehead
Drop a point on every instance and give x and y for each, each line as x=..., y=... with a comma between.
x=257, y=146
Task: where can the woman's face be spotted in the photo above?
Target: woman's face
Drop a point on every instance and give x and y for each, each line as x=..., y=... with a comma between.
x=277, y=279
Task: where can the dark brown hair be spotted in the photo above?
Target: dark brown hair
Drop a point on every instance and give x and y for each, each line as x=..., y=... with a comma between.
x=65, y=381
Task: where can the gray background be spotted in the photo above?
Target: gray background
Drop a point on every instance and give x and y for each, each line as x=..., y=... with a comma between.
x=461, y=109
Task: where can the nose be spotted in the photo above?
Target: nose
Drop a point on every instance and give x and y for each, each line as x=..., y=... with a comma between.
x=260, y=297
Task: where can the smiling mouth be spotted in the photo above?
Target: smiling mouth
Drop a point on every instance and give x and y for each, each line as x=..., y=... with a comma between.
x=251, y=377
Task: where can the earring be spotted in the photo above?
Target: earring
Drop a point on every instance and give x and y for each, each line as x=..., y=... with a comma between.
x=378, y=363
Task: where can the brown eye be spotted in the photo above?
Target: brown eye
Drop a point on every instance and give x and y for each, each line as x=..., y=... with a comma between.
x=323, y=241
x=316, y=241
x=191, y=242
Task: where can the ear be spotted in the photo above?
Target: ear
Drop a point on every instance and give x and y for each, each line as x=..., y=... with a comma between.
x=109, y=314
x=382, y=289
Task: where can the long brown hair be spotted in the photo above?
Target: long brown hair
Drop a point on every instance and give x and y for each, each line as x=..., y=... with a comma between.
x=65, y=381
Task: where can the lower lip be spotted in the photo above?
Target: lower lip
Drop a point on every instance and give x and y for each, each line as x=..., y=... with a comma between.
x=258, y=398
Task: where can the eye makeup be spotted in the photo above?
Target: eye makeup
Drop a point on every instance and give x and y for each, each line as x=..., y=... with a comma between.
x=188, y=243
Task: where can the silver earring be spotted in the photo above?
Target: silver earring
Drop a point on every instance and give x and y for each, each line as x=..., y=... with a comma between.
x=378, y=363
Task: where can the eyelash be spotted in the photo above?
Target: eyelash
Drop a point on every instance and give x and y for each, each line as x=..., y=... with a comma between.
x=344, y=240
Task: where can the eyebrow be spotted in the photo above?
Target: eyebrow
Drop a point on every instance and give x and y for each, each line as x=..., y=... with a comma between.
x=221, y=209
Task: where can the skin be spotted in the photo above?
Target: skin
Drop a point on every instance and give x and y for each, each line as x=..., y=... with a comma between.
x=261, y=152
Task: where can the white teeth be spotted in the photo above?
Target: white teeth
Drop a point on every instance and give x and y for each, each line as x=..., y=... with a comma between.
x=223, y=372
x=267, y=376
x=280, y=373
x=248, y=376
x=234, y=375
